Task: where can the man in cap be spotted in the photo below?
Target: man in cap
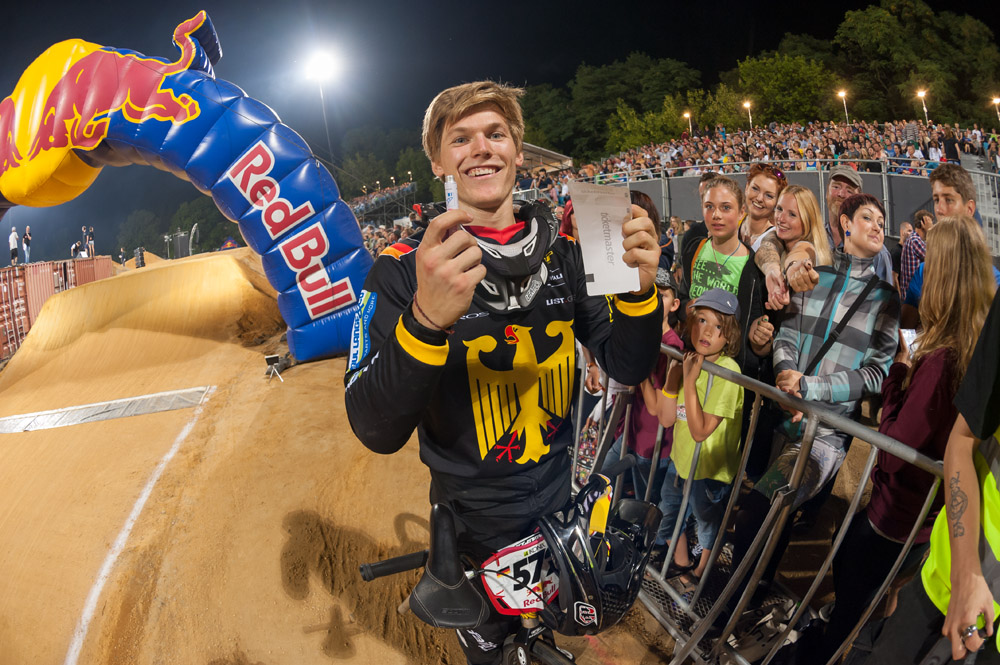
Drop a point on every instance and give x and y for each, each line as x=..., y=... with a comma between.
x=844, y=183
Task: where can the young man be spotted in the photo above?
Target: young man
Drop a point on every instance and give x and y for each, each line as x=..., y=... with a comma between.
x=469, y=337
x=896, y=253
x=954, y=194
x=26, y=244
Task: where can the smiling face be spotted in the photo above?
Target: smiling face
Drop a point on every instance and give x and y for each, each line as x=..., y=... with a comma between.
x=866, y=229
x=787, y=220
x=762, y=194
x=706, y=332
x=479, y=151
x=722, y=213
x=838, y=191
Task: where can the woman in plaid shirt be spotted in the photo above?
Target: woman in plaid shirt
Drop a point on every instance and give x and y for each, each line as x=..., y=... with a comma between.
x=853, y=367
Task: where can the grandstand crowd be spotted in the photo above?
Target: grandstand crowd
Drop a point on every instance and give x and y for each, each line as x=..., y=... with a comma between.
x=380, y=197
x=908, y=146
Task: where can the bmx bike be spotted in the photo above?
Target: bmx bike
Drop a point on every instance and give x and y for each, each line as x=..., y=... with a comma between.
x=578, y=573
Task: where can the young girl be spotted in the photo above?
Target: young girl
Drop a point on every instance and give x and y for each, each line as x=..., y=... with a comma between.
x=705, y=409
x=723, y=261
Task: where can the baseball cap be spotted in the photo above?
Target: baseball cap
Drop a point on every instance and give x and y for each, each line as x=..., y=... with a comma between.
x=848, y=174
x=720, y=300
x=665, y=280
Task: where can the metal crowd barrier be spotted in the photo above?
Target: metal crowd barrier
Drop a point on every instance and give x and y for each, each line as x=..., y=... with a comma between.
x=688, y=619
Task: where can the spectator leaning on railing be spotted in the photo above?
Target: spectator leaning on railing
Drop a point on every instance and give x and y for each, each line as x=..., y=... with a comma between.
x=836, y=372
x=917, y=410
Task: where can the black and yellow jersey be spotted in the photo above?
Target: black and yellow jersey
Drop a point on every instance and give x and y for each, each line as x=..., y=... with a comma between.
x=489, y=400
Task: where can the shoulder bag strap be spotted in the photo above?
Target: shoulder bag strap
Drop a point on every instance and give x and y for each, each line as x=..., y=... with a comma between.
x=869, y=287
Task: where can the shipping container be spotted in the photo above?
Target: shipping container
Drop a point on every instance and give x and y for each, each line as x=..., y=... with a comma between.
x=13, y=310
x=41, y=280
x=84, y=271
x=103, y=267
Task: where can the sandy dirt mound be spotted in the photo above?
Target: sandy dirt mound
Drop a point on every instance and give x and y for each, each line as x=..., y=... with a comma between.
x=246, y=551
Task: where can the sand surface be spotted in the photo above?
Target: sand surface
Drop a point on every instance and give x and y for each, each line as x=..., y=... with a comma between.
x=246, y=550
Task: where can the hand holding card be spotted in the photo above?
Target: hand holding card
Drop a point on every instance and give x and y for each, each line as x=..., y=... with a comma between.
x=601, y=213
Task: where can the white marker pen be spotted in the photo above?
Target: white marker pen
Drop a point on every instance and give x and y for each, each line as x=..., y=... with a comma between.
x=450, y=193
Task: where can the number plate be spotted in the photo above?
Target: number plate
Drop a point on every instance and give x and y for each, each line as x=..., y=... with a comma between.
x=519, y=577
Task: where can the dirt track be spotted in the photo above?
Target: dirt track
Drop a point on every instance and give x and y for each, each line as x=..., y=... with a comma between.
x=246, y=551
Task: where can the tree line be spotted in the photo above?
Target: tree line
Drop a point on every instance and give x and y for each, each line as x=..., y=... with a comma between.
x=880, y=56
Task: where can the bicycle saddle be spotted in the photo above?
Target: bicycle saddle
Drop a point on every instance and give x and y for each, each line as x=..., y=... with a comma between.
x=444, y=597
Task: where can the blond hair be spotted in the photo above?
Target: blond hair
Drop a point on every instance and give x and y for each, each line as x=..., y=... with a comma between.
x=454, y=103
x=957, y=294
x=812, y=226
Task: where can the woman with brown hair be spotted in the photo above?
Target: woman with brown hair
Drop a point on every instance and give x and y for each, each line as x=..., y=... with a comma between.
x=764, y=185
x=917, y=409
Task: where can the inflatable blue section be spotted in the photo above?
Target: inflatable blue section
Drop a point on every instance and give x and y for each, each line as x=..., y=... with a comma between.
x=263, y=176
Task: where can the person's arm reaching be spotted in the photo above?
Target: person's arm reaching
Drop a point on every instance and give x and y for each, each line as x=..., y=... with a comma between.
x=970, y=594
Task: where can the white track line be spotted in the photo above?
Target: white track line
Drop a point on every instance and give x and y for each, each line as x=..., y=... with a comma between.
x=90, y=606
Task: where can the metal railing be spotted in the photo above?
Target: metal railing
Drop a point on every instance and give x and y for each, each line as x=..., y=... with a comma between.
x=698, y=613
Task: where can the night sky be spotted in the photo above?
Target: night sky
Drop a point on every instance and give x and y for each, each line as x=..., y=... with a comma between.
x=398, y=55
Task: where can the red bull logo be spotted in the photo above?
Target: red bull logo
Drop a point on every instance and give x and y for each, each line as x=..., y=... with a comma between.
x=251, y=175
x=78, y=109
x=304, y=253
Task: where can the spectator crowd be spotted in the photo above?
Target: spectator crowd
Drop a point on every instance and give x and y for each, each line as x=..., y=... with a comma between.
x=908, y=147
x=764, y=286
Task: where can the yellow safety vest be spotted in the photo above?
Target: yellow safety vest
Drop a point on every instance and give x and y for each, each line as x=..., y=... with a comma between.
x=936, y=573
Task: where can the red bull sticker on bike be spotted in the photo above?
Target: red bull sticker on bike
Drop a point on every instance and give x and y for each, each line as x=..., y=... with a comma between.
x=519, y=578
x=80, y=106
x=584, y=613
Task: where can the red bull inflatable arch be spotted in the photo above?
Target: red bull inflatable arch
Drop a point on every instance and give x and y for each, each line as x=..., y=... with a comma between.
x=80, y=107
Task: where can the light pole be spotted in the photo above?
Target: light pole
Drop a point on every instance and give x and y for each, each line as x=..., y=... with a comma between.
x=921, y=94
x=687, y=115
x=843, y=97
x=321, y=67
x=746, y=105
x=996, y=107
x=378, y=185
x=410, y=174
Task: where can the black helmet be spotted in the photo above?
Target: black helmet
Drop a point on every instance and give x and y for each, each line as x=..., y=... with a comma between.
x=599, y=576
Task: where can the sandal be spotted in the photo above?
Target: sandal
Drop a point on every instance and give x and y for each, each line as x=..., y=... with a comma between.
x=689, y=582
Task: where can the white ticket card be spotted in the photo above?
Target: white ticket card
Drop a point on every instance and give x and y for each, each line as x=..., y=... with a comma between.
x=600, y=211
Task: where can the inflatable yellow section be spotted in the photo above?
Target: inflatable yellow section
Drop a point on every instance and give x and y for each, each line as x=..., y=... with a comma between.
x=51, y=176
